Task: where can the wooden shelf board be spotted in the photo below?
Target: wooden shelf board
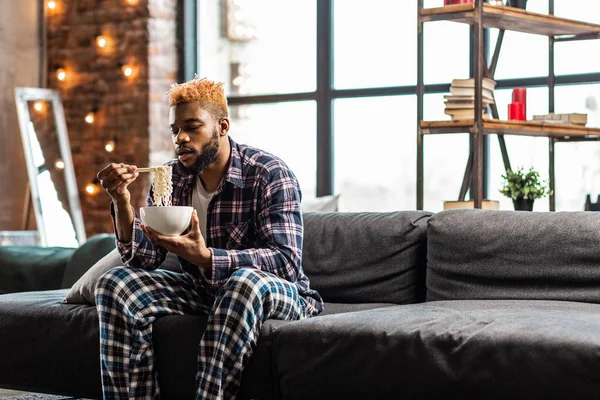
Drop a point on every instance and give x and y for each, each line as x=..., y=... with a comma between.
x=510, y=18
x=522, y=128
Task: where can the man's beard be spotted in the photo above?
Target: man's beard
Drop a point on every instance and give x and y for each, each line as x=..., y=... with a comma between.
x=207, y=156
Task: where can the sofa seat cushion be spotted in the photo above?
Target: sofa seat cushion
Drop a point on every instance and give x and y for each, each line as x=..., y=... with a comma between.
x=47, y=346
x=177, y=337
x=471, y=348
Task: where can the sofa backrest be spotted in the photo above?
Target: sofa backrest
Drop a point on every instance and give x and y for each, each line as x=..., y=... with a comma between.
x=485, y=254
x=366, y=257
x=29, y=268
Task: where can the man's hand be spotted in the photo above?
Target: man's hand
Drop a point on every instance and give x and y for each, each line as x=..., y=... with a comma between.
x=115, y=178
x=190, y=246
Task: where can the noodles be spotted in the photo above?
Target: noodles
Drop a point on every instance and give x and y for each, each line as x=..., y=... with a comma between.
x=162, y=185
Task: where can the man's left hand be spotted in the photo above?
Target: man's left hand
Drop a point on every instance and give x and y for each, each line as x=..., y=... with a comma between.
x=190, y=246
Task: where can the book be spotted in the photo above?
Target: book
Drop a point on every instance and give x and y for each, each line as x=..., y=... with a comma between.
x=464, y=113
x=466, y=87
x=485, y=204
x=569, y=118
x=469, y=91
x=486, y=83
x=449, y=98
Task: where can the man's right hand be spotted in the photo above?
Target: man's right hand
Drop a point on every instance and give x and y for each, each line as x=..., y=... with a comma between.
x=115, y=178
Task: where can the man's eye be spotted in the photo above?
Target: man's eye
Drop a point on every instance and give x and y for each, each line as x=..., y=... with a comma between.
x=193, y=128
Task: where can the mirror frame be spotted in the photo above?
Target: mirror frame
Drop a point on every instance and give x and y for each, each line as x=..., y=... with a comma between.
x=22, y=96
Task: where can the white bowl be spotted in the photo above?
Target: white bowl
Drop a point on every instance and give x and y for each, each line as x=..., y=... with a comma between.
x=168, y=220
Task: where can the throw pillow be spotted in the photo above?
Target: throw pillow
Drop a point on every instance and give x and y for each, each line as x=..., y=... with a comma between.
x=82, y=291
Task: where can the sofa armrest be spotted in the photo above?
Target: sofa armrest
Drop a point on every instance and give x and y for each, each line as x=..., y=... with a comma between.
x=32, y=268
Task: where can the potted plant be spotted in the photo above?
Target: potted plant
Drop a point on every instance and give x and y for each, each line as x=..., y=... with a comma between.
x=523, y=187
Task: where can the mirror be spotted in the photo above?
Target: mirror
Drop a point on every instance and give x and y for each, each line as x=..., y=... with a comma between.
x=52, y=185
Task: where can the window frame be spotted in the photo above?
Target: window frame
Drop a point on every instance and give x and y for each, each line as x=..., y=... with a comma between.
x=325, y=94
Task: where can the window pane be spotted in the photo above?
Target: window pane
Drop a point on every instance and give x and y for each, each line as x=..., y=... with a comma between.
x=242, y=45
x=522, y=55
x=445, y=51
x=374, y=43
x=445, y=158
x=375, y=153
x=576, y=57
x=268, y=127
x=577, y=167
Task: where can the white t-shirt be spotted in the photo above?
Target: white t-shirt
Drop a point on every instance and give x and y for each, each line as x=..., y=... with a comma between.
x=200, y=200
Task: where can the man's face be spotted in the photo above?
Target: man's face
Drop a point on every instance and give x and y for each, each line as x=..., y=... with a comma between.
x=195, y=135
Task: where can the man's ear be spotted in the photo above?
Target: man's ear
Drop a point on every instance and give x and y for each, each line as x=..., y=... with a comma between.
x=224, y=125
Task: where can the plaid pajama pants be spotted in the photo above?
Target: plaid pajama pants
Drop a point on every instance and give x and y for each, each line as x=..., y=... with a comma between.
x=128, y=300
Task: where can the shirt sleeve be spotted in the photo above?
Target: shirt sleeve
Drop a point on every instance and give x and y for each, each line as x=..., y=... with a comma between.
x=279, y=230
x=139, y=252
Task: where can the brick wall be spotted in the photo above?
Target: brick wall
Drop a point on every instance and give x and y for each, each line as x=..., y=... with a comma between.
x=134, y=109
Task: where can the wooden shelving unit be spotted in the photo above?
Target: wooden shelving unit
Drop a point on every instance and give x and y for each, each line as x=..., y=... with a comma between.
x=480, y=15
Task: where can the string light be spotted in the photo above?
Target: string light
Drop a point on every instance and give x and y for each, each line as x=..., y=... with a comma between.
x=93, y=187
x=110, y=145
x=59, y=163
x=52, y=4
x=127, y=70
x=38, y=106
x=89, y=117
x=61, y=74
x=101, y=41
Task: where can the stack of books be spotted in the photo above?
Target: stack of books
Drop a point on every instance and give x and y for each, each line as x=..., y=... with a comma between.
x=569, y=118
x=460, y=103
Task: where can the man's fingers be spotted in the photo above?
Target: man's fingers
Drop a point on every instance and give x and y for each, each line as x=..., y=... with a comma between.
x=195, y=221
x=115, y=185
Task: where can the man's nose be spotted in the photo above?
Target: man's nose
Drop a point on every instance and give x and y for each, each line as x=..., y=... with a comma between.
x=181, y=137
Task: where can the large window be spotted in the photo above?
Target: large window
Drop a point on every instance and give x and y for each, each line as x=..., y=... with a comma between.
x=329, y=86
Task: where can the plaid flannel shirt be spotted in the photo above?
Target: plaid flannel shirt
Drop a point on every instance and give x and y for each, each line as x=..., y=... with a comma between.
x=253, y=221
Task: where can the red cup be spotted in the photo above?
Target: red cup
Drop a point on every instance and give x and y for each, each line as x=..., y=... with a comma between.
x=516, y=112
x=519, y=95
x=449, y=2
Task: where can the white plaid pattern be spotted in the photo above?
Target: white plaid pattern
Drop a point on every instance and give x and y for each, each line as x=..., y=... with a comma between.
x=128, y=301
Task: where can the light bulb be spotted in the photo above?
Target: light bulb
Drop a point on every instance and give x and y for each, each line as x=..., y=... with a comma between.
x=89, y=118
x=38, y=106
x=100, y=41
x=110, y=146
x=91, y=188
x=61, y=74
x=52, y=4
x=127, y=70
x=59, y=163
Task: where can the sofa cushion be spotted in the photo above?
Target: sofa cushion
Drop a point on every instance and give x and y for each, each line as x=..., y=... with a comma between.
x=451, y=349
x=31, y=268
x=87, y=255
x=487, y=254
x=82, y=291
x=47, y=346
x=366, y=257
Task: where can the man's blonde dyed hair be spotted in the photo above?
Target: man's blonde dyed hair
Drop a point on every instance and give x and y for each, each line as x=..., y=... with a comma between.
x=210, y=94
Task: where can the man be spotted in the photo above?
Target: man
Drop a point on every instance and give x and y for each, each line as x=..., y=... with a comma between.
x=240, y=258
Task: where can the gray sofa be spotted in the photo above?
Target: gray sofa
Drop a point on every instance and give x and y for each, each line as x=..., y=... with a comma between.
x=463, y=303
